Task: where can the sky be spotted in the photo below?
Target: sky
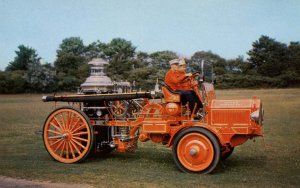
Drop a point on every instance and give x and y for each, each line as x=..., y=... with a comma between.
x=225, y=27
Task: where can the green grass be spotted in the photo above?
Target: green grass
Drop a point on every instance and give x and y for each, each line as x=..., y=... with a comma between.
x=274, y=162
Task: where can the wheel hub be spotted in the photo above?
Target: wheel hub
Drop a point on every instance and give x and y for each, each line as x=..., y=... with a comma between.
x=197, y=150
x=64, y=136
x=194, y=151
x=67, y=136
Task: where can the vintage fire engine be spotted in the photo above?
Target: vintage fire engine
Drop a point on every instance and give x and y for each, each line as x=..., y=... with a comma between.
x=103, y=122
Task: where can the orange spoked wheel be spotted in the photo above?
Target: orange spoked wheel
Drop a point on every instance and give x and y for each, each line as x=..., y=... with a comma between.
x=196, y=150
x=119, y=108
x=68, y=135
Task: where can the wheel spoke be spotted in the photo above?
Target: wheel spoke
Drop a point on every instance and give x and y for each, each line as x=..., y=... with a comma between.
x=52, y=144
x=72, y=127
x=59, y=123
x=76, y=148
x=71, y=121
x=75, y=124
x=79, y=128
x=67, y=120
x=55, y=126
x=62, y=149
x=63, y=120
x=58, y=146
x=67, y=150
x=121, y=108
x=55, y=137
x=80, y=133
x=72, y=150
x=53, y=131
x=76, y=142
x=81, y=139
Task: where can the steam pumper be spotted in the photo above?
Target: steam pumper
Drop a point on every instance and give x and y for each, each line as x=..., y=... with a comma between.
x=106, y=116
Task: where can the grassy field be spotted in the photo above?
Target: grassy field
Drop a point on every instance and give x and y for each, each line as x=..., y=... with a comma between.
x=270, y=162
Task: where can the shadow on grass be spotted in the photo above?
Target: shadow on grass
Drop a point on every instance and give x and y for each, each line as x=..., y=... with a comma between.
x=164, y=161
x=143, y=154
x=241, y=163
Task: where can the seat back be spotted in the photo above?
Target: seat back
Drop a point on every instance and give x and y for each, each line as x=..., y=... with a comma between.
x=169, y=94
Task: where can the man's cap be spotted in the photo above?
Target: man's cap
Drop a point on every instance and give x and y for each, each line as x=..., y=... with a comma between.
x=182, y=62
x=174, y=61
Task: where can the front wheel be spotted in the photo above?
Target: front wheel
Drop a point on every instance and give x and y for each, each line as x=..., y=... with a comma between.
x=196, y=150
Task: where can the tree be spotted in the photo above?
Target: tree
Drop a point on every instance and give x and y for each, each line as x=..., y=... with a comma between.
x=41, y=78
x=119, y=52
x=119, y=71
x=17, y=70
x=70, y=55
x=290, y=76
x=294, y=57
x=12, y=82
x=142, y=77
x=213, y=64
x=71, y=71
x=161, y=59
x=94, y=50
x=68, y=63
x=268, y=56
x=71, y=64
x=157, y=66
x=24, y=57
x=71, y=46
x=144, y=58
x=238, y=66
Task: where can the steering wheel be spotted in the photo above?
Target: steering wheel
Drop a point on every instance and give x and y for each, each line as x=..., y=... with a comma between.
x=194, y=75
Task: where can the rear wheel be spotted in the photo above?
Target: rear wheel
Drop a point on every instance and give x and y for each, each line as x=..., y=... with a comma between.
x=68, y=135
x=196, y=150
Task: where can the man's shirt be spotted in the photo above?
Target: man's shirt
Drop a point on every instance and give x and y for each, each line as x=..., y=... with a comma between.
x=174, y=79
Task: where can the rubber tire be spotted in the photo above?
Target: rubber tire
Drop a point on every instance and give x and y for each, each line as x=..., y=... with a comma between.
x=85, y=118
x=214, y=142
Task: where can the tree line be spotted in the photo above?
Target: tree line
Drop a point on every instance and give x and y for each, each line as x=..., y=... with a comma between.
x=270, y=64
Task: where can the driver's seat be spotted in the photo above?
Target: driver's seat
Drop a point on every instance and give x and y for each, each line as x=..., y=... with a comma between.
x=169, y=94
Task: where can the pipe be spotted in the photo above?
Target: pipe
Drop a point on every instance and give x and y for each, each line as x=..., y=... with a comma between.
x=100, y=97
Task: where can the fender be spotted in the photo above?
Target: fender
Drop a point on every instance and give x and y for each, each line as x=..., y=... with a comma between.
x=176, y=131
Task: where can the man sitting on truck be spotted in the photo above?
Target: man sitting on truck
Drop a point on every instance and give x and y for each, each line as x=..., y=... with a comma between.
x=176, y=79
